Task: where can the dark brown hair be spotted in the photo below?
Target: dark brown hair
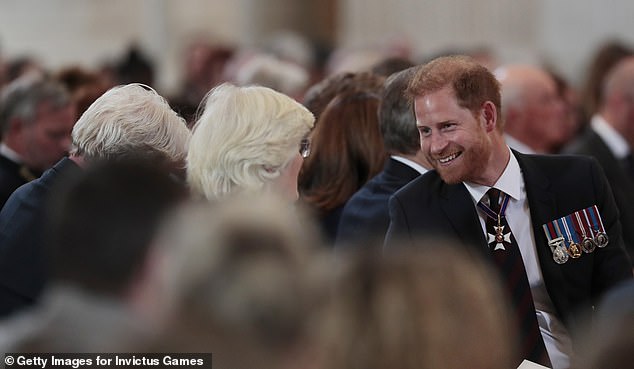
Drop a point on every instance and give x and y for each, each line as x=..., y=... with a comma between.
x=318, y=96
x=347, y=150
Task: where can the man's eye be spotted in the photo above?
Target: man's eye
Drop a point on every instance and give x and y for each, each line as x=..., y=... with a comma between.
x=447, y=126
x=424, y=131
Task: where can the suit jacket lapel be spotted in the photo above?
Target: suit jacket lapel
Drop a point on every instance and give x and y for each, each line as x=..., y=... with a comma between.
x=466, y=224
x=543, y=209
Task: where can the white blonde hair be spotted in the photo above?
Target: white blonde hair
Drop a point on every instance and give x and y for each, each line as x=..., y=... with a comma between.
x=243, y=139
x=130, y=120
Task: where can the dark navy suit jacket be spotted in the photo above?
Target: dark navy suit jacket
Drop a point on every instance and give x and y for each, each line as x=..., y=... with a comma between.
x=10, y=178
x=23, y=264
x=366, y=216
x=556, y=186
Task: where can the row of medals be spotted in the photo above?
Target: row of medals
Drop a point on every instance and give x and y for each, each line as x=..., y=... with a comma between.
x=588, y=244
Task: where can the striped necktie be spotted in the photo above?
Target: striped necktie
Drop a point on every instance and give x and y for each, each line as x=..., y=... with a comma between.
x=508, y=260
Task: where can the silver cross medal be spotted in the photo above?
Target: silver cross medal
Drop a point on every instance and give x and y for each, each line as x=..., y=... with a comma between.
x=499, y=237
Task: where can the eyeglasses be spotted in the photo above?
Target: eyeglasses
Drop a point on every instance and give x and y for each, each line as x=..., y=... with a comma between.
x=304, y=148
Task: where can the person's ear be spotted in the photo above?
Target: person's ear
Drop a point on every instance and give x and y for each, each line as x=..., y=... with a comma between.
x=488, y=114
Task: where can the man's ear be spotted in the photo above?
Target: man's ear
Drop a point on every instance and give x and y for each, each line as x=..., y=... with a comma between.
x=14, y=131
x=488, y=114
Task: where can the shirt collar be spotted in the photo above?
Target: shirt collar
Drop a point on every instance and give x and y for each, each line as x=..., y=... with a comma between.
x=410, y=163
x=510, y=182
x=613, y=139
x=517, y=145
x=9, y=153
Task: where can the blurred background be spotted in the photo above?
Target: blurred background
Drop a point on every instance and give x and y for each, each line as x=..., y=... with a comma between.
x=93, y=33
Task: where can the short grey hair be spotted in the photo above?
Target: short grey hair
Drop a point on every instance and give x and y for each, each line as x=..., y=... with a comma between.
x=21, y=98
x=243, y=139
x=131, y=120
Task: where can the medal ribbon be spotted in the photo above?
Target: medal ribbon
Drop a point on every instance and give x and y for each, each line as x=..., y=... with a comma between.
x=490, y=213
x=569, y=224
x=578, y=226
x=596, y=218
x=550, y=231
x=588, y=222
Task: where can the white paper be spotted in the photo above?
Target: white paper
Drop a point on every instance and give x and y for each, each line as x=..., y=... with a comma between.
x=527, y=364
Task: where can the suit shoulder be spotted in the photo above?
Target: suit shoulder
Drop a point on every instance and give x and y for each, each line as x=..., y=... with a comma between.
x=561, y=162
x=585, y=143
x=424, y=185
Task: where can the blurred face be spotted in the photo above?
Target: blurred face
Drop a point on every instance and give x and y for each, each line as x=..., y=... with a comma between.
x=628, y=113
x=453, y=140
x=545, y=112
x=47, y=139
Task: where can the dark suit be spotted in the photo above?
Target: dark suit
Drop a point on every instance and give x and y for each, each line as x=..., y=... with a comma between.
x=622, y=185
x=23, y=262
x=366, y=215
x=12, y=176
x=556, y=186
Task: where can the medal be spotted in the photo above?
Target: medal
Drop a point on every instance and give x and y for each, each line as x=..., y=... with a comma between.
x=601, y=239
x=501, y=238
x=574, y=250
x=573, y=247
x=587, y=244
x=559, y=255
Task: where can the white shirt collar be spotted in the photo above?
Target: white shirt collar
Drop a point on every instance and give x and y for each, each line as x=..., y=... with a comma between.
x=9, y=153
x=613, y=139
x=510, y=182
x=410, y=163
x=517, y=145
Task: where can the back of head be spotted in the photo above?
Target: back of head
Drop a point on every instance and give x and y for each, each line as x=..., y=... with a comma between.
x=237, y=273
x=268, y=71
x=425, y=308
x=396, y=115
x=318, y=96
x=391, y=65
x=21, y=98
x=135, y=67
x=131, y=121
x=103, y=221
x=472, y=83
x=243, y=139
x=347, y=150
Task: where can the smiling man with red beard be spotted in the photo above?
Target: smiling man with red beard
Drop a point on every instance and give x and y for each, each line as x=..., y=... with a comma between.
x=548, y=224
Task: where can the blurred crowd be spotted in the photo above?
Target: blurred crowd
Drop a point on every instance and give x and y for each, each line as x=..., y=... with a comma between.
x=245, y=214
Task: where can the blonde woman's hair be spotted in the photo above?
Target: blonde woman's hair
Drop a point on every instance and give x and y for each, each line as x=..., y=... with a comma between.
x=243, y=138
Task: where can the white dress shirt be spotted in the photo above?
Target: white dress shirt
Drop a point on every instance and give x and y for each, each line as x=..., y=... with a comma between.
x=556, y=337
x=9, y=153
x=412, y=164
x=517, y=145
x=613, y=139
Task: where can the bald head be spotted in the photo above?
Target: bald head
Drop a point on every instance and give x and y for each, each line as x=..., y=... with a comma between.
x=617, y=105
x=531, y=108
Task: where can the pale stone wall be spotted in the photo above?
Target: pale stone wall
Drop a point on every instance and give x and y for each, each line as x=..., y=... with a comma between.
x=61, y=32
